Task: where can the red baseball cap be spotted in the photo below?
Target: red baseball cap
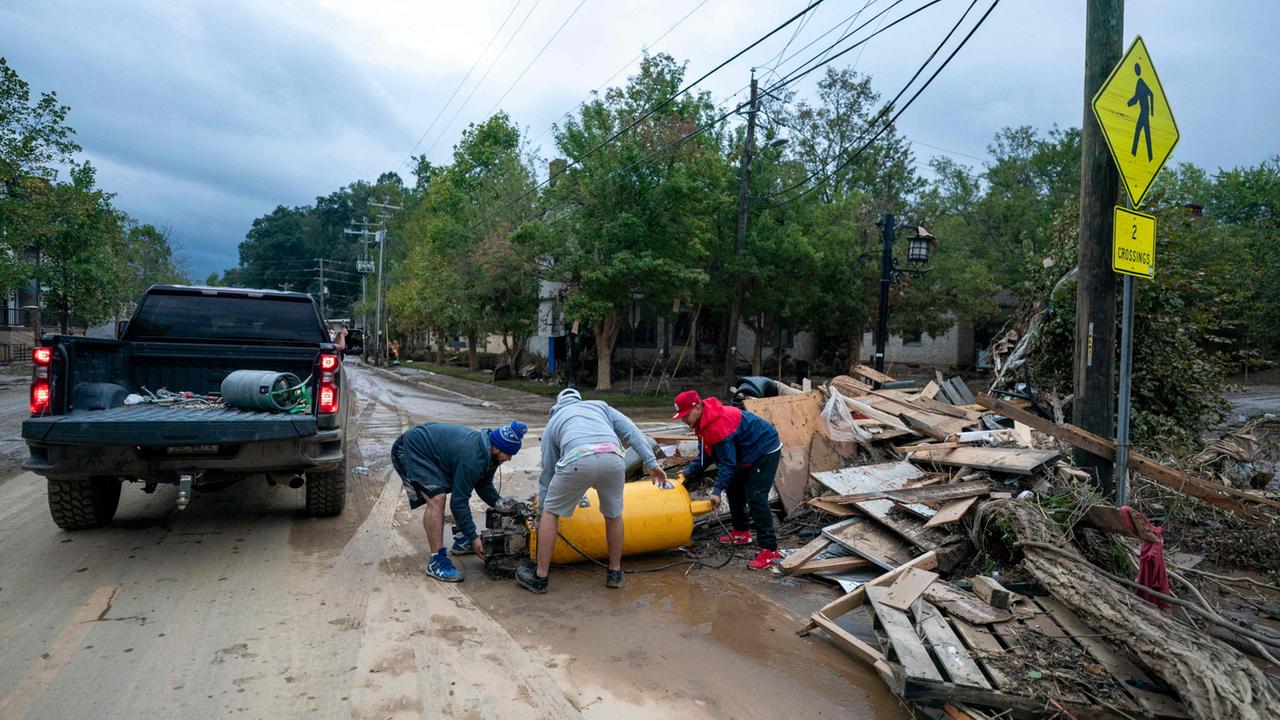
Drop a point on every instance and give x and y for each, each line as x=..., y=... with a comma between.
x=685, y=403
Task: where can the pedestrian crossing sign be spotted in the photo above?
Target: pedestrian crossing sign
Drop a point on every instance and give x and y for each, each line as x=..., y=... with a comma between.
x=1136, y=120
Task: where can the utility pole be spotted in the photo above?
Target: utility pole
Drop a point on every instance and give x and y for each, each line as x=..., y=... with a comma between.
x=385, y=211
x=365, y=266
x=735, y=306
x=1094, y=402
x=323, y=317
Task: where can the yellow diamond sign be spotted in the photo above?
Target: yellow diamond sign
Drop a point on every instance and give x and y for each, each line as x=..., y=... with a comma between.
x=1136, y=120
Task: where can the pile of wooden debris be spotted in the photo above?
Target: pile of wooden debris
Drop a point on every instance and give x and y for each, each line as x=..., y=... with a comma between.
x=916, y=483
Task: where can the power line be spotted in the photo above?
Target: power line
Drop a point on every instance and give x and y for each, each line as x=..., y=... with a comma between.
x=535, y=58
x=847, y=161
x=483, y=77
x=619, y=71
x=462, y=82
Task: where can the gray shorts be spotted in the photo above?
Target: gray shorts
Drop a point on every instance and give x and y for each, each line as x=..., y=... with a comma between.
x=606, y=472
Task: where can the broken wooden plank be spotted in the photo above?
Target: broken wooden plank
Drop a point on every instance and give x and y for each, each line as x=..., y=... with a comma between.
x=992, y=592
x=908, y=528
x=1131, y=678
x=868, y=478
x=933, y=493
x=907, y=588
x=666, y=438
x=796, y=418
x=930, y=390
x=936, y=693
x=833, y=509
x=947, y=648
x=872, y=374
x=964, y=605
x=1110, y=519
x=910, y=651
x=849, y=387
x=983, y=646
x=1019, y=461
x=831, y=565
x=961, y=391
x=812, y=549
x=1221, y=496
x=851, y=600
x=951, y=512
x=922, y=427
x=920, y=510
x=870, y=541
x=847, y=641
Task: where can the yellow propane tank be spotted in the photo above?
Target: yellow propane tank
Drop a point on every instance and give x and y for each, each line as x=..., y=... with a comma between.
x=655, y=518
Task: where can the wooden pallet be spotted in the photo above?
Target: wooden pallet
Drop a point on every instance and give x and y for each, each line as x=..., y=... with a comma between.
x=931, y=658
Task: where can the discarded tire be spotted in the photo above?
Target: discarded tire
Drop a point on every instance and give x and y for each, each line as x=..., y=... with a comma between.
x=83, y=503
x=327, y=491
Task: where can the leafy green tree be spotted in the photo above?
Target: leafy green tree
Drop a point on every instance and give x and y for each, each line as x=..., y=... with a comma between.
x=149, y=259
x=636, y=215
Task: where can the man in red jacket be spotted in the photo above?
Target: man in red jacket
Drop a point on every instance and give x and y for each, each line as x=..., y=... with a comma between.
x=745, y=449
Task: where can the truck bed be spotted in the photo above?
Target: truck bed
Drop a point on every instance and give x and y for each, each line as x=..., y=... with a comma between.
x=159, y=426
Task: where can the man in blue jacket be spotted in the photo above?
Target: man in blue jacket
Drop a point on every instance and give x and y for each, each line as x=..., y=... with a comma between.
x=745, y=449
x=581, y=449
x=438, y=459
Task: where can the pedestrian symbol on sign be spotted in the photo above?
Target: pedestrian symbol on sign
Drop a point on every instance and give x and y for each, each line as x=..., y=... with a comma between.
x=1144, y=99
x=1133, y=112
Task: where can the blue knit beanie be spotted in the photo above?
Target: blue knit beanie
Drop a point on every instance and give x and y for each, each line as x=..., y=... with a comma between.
x=507, y=438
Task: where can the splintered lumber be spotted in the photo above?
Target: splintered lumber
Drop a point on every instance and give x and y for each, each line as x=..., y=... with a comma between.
x=955, y=388
x=1109, y=519
x=849, y=387
x=814, y=548
x=833, y=509
x=995, y=594
x=866, y=479
x=858, y=596
x=930, y=390
x=908, y=528
x=1222, y=496
x=951, y=512
x=952, y=656
x=796, y=418
x=922, y=427
x=851, y=644
x=1213, y=679
x=1020, y=461
x=1130, y=677
x=907, y=588
x=870, y=541
x=964, y=605
x=911, y=653
x=879, y=416
x=920, y=510
x=872, y=374
x=832, y=565
x=930, y=493
x=983, y=646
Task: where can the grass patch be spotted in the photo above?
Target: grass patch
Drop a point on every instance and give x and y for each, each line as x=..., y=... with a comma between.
x=616, y=399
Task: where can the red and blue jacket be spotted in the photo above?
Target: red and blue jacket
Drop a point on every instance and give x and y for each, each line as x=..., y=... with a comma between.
x=737, y=440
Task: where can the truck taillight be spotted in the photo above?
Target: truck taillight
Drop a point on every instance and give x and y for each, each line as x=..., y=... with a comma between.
x=39, y=397
x=328, y=398
x=42, y=356
x=328, y=362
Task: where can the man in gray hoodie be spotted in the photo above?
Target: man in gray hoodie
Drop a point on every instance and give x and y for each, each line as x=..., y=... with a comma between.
x=581, y=449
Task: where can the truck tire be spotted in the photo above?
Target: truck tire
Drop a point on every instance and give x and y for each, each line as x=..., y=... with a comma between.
x=327, y=491
x=83, y=503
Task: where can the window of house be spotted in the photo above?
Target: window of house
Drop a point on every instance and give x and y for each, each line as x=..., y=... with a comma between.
x=915, y=340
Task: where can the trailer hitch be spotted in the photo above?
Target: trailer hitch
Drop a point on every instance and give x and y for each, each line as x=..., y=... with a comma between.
x=186, y=480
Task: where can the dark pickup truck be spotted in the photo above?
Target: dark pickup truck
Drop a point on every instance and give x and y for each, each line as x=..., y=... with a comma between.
x=87, y=439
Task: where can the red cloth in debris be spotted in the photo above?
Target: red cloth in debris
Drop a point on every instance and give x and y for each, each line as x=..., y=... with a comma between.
x=1151, y=569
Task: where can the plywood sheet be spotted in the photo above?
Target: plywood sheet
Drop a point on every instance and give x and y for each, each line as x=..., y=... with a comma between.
x=870, y=541
x=869, y=478
x=908, y=587
x=796, y=418
x=1020, y=461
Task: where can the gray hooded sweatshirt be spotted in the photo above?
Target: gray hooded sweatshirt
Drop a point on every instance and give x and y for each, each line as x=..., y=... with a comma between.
x=577, y=422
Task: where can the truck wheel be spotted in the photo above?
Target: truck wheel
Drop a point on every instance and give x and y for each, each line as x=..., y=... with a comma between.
x=327, y=491
x=83, y=503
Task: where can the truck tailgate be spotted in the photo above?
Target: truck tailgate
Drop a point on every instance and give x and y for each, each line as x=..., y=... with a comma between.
x=151, y=425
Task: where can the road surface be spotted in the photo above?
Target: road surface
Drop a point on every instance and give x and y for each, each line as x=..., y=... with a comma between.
x=241, y=606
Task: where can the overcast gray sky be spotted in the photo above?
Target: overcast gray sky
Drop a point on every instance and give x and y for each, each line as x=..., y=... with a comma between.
x=205, y=115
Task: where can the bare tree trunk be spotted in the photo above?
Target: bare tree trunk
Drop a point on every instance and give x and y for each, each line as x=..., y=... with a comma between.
x=473, y=360
x=760, y=330
x=855, y=349
x=606, y=332
x=439, y=335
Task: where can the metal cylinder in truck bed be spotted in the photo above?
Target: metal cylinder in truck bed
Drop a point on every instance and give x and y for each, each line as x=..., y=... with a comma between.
x=261, y=390
x=654, y=519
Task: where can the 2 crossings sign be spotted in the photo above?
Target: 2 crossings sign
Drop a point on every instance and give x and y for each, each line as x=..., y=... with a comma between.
x=1138, y=124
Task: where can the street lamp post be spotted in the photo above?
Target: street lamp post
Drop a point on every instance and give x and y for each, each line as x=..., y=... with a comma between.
x=890, y=274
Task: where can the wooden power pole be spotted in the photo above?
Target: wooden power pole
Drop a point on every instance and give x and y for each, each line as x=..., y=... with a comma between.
x=1094, y=404
x=735, y=306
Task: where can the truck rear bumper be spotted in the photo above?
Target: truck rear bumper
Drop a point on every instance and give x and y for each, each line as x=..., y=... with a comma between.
x=319, y=452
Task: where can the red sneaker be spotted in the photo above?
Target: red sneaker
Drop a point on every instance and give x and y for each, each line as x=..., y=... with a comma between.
x=765, y=559
x=736, y=537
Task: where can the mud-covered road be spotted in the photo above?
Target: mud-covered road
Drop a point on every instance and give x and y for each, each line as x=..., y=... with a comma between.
x=241, y=607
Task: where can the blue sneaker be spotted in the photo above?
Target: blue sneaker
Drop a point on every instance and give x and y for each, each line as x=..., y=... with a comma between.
x=460, y=546
x=441, y=567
